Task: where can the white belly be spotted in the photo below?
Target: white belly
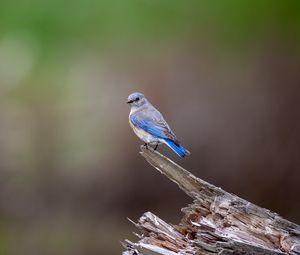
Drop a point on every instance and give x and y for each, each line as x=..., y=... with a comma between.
x=143, y=135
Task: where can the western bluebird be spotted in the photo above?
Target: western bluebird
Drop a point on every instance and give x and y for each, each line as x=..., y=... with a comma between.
x=150, y=126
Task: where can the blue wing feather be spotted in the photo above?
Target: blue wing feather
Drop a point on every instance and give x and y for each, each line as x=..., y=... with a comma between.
x=152, y=122
x=148, y=125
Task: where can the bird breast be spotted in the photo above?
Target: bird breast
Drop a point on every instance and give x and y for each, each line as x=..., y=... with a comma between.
x=142, y=134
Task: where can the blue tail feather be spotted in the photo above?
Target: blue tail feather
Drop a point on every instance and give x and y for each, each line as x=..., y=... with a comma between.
x=177, y=148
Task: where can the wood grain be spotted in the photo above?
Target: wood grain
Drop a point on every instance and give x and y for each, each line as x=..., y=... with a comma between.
x=217, y=222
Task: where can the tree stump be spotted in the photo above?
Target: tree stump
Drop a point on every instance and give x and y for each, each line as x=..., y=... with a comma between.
x=217, y=222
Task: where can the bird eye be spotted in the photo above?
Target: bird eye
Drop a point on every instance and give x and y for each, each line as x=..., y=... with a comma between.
x=137, y=99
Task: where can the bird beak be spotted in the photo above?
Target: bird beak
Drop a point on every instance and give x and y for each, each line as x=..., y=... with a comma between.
x=129, y=102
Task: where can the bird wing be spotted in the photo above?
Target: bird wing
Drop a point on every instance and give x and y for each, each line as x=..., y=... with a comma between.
x=153, y=122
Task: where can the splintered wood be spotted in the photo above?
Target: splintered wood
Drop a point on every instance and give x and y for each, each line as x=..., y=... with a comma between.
x=217, y=222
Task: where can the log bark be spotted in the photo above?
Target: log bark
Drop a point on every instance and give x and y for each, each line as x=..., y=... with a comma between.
x=217, y=222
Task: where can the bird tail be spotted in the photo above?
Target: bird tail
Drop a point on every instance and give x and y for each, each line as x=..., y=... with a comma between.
x=177, y=148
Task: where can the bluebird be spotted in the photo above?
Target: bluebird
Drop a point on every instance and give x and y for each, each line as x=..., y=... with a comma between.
x=149, y=125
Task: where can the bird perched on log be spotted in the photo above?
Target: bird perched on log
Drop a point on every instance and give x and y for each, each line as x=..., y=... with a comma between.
x=149, y=125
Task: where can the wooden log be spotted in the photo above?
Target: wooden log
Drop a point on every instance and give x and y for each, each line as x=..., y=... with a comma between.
x=217, y=222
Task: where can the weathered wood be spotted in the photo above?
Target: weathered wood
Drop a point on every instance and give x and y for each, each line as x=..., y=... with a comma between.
x=217, y=222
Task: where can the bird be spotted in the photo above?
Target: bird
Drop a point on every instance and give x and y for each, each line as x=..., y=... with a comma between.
x=150, y=126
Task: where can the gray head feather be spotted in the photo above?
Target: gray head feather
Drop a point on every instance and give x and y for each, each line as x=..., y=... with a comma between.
x=136, y=99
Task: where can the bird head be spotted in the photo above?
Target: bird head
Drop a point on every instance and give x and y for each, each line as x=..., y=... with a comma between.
x=136, y=99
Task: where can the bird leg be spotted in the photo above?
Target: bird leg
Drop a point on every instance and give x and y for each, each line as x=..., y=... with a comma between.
x=156, y=146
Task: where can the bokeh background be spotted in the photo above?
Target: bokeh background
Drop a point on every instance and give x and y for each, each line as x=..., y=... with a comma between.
x=225, y=74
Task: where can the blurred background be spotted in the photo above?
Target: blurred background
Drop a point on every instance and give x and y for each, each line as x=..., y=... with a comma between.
x=225, y=74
